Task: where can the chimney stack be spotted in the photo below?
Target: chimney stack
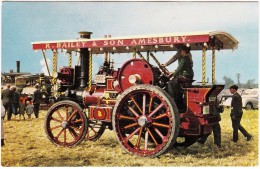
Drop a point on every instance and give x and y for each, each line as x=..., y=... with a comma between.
x=18, y=66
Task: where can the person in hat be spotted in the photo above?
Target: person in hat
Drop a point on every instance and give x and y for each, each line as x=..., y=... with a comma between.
x=36, y=100
x=236, y=114
x=177, y=56
x=184, y=70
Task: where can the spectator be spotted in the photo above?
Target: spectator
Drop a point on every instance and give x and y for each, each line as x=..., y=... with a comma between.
x=15, y=101
x=7, y=97
x=21, y=109
x=236, y=114
x=36, y=100
x=2, y=124
x=29, y=109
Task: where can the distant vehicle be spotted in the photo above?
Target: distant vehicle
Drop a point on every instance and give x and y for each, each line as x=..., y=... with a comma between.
x=249, y=99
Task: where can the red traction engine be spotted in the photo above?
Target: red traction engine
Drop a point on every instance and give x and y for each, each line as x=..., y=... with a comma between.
x=133, y=101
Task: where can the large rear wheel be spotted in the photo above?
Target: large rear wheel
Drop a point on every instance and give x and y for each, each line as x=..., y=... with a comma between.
x=66, y=124
x=145, y=120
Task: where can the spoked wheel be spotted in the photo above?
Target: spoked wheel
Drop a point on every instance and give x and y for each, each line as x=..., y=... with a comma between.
x=95, y=130
x=145, y=120
x=66, y=124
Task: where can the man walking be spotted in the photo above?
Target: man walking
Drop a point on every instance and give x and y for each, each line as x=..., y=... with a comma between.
x=236, y=114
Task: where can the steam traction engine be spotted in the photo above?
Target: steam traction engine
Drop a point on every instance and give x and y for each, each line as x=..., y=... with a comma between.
x=133, y=100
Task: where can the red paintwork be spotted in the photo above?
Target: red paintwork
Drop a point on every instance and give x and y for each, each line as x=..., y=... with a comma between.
x=138, y=67
x=100, y=112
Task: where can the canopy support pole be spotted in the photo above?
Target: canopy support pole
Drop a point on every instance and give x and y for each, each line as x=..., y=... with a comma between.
x=70, y=59
x=204, y=66
x=134, y=54
x=147, y=57
x=213, y=65
x=90, y=71
x=44, y=56
x=54, y=62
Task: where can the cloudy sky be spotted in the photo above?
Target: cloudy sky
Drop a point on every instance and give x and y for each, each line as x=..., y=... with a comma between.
x=26, y=22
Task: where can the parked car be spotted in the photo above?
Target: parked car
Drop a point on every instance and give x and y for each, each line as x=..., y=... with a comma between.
x=249, y=99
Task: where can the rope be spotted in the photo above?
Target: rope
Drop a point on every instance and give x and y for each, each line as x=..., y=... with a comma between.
x=204, y=66
x=44, y=56
x=90, y=71
x=140, y=55
x=166, y=71
x=213, y=66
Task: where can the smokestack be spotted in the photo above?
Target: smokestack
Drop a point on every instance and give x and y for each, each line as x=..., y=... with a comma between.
x=84, y=60
x=18, y=66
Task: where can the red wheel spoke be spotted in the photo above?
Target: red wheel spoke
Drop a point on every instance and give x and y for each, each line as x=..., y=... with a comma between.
x=60, y=115
x=133, y=111
x=156, y=109
x=130, y=125
x=54, y=119
x=73, y=133
x=159, y=133
x=150, y=133
x=65, y=136
x=144, y=103
x=133, y=133
x=58, y=126
x=161, y=125
x=93, y=130
x=126, y=117
x=74, y=128
x=58, y=135
x=77, y=121
x=72, y=115
x=150, y=104
x=146, y=140
x=160, y=116
x=136, y=104
x=139, y=138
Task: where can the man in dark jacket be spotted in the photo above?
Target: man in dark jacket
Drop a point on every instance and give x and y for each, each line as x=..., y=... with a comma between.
x=236, y=114
x=36, y=100
x=15, y=101
x=6, y=98
x=184, y=70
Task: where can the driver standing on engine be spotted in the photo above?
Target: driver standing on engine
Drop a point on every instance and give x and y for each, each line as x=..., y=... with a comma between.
x=184, y=70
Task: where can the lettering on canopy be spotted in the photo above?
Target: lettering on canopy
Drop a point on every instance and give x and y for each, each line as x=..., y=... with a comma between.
x=122, y=42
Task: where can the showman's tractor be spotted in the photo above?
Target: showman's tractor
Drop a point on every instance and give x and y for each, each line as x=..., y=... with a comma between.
x=132, y=100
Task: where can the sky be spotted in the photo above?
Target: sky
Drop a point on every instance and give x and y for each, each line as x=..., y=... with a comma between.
x=26, y=22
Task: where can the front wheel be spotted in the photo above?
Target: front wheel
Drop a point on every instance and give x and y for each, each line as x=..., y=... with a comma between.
x=66, y=124
x=249, y=106
x=145, y=120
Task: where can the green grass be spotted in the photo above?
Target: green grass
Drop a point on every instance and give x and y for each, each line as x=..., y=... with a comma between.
x=27, y=145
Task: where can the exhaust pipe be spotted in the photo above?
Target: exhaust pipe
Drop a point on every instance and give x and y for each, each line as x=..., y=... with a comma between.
x=84, y=61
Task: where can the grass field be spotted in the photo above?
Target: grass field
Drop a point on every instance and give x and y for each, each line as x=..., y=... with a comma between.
x=27, y=145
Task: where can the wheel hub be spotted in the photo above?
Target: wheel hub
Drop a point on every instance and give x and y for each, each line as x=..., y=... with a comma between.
x=143, y=121
x=64, y=124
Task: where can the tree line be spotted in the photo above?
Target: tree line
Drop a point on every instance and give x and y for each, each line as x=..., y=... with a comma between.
x=249, y=84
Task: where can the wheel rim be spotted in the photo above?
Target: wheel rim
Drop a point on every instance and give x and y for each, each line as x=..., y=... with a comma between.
x=95, y=130
x=143, y=122
x=65, y=125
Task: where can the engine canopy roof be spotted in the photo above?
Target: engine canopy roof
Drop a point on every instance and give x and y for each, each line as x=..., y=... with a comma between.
x=157, y=42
